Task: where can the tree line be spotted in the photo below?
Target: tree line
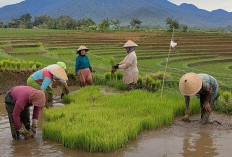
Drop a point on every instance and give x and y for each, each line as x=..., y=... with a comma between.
x=66, y=23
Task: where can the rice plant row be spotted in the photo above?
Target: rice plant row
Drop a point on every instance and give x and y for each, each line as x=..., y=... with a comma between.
x=94, y=121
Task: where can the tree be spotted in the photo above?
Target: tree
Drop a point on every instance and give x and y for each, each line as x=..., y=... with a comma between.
x=66, y=22
x=86, y=24
x=105, y=24
x=116, y=23
x=25, y=21
x=1, y=24
x=135, y=23
x=45, y=22
x=14, y=23
x=184, y=28
x=172, y=23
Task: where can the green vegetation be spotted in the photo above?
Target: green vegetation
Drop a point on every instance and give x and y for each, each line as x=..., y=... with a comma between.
x=97, y=122
x=17, y=65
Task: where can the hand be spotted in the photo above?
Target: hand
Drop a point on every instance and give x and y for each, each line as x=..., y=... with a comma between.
x=116, y=66
x=207, y=106
x=26, y=134
x=113, y=70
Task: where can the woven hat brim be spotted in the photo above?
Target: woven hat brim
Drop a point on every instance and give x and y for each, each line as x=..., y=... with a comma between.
x=190, y=84
x=130, y=43
x=59, y=73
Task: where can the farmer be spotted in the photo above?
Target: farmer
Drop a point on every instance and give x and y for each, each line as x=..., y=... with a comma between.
x=83, y=67
x=129, y=64
x=62, y=65
x=18, y=100
x=43, y=78
x=202, y=85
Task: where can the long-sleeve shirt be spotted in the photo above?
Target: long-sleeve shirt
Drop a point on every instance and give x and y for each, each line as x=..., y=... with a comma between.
x=43, y=77
x=20, y=95
x=209, y=86
x=82, y=62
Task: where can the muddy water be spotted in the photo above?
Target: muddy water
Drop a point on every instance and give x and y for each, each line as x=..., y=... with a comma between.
x=181, y=139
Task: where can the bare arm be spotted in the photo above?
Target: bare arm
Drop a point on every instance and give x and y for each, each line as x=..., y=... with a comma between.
x=187, y=100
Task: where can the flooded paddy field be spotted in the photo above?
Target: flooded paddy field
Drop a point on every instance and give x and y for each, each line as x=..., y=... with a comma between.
x=181, y=139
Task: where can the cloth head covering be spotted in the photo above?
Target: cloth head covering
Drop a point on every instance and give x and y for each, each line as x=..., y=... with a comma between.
x=190, y=84
x=59, y=73
x=62, y=65
x=37, y=98
x=130, y=43
x=131, y=49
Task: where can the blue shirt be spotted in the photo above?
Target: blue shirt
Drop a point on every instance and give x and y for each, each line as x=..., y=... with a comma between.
x=207, y=82
x=82, y=62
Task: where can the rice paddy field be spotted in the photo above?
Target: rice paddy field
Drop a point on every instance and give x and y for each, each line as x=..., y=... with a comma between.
x=107, y=122
x=200, y=52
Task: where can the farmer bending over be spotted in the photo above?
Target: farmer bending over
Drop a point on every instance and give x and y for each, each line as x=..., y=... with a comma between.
x=18, y=100
x=204, y=87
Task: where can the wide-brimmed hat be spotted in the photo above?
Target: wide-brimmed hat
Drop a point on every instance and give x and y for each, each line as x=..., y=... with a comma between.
x=37, y=98
x=82, y=48
x=59, y=73
x=190, y=84
x=130, y=43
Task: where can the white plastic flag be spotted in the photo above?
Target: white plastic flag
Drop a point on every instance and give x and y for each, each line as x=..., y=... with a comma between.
x=173, y=44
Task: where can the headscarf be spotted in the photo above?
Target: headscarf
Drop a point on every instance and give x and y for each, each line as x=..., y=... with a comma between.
x=37, y=98
x=131, y=49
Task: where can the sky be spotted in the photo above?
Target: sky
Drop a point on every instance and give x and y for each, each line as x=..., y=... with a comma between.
x=207, y=4
x=202, y=4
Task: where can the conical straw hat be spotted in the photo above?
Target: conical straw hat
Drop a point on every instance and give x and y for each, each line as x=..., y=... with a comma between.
x=190, y=84
x=59, y=73
x=82, y=48
x=130, y=43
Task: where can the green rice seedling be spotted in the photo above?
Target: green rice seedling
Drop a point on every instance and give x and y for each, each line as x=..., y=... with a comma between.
x=119, y=75
x=38, y=65
x=24, y=65
x=149, y=80
x=112, y=61
x=18, y=65
x=226, y=95
x=159, y=75
x=107, y=75
x=31, y=64
x=94, y=121
x=1, y=65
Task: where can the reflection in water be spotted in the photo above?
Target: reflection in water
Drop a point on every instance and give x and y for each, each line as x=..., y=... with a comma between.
x=200, y=144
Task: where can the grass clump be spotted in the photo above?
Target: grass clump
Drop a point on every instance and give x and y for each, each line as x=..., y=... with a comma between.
x=97, y=122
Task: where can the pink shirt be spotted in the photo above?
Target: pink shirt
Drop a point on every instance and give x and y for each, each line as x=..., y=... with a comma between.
x=20, y=95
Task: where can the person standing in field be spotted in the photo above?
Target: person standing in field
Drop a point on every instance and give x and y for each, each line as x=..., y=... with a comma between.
x=18, y=101
x=43, y=78
x=129, y=64
x=83, y=67
x=202, y=85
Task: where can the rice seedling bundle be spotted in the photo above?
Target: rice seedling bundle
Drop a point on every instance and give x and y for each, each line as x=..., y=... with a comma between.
x=97, y=122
